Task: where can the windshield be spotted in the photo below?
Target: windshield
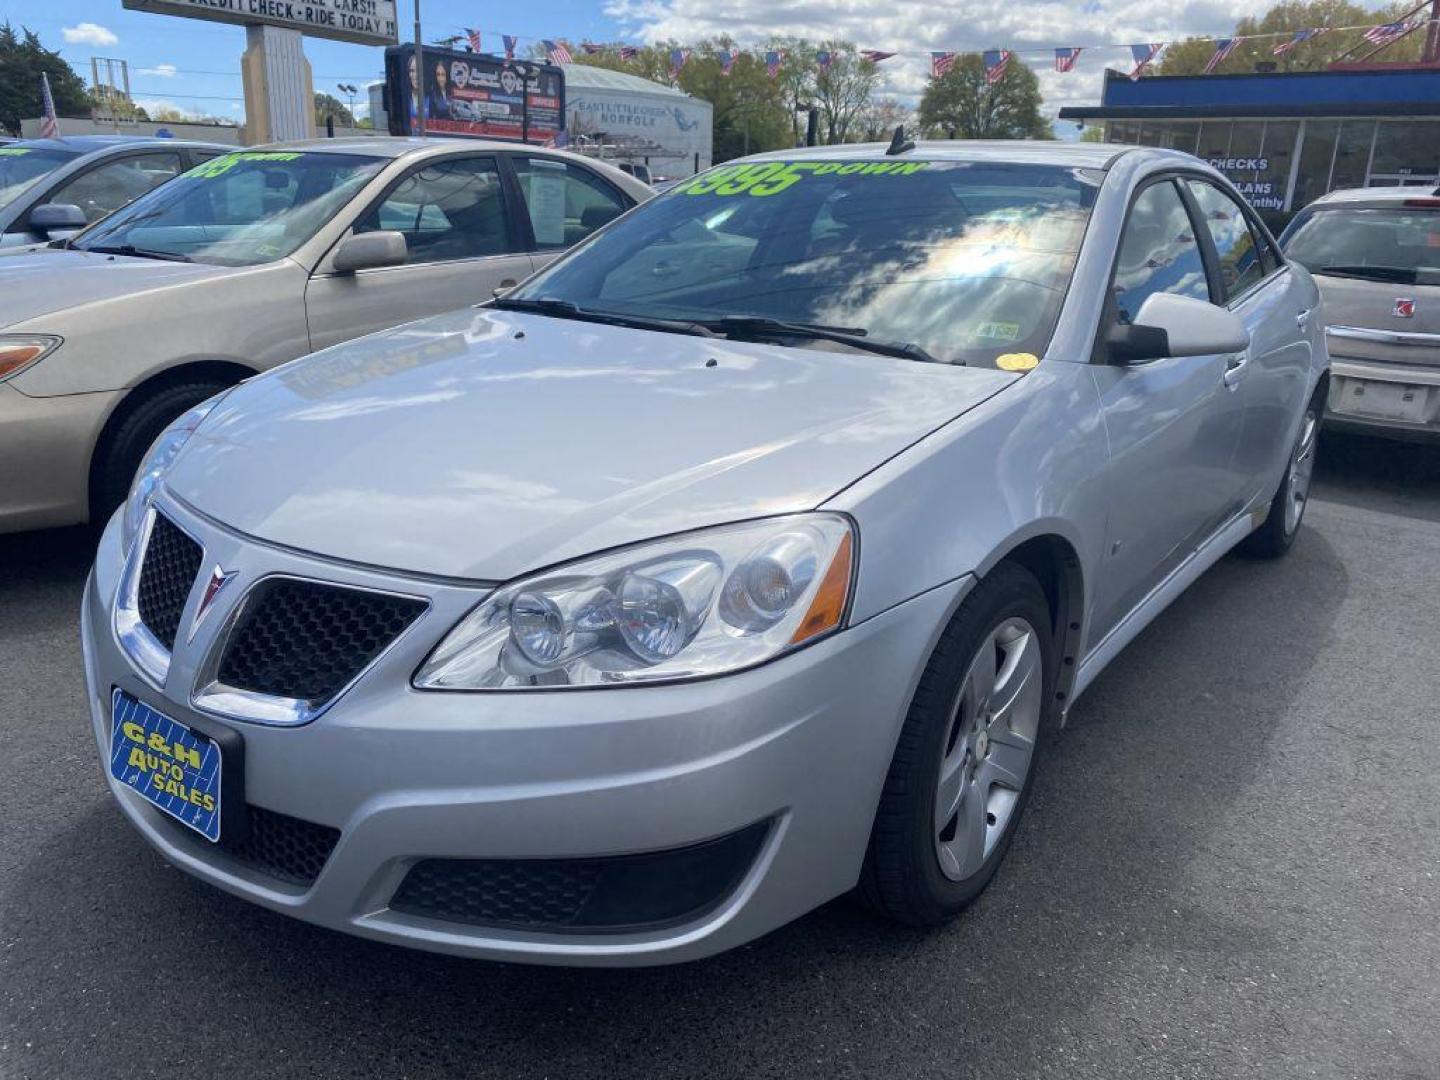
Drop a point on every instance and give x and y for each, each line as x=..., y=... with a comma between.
x=969, y=261
x=21, y=166
x=1385, y=244
x=240, y=209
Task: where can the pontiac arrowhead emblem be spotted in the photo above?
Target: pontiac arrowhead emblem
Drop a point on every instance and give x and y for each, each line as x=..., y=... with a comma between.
x=218, y=580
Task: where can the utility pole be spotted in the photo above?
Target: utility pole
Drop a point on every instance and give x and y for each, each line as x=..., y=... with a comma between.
x=419, y=78
x=1431, y=55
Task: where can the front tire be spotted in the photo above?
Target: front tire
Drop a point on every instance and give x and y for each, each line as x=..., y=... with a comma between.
x=960, y=777
x=122, y=448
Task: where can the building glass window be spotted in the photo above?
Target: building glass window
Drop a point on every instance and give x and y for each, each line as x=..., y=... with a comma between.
x=1123, y=131
x=1184, y=135
x=1352, y=155
x=1407, y=151
x=1215, y=139
x=1277, y=152
x=1316, y=151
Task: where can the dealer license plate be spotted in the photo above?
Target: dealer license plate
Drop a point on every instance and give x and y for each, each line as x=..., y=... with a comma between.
x=173, y=766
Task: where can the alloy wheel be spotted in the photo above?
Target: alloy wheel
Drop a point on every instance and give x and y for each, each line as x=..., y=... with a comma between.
x=994, y=722
x=1302, y=466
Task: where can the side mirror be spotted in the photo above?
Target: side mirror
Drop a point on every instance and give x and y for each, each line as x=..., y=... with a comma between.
x=1171, y=325
x=367, y=251
x=51, y=218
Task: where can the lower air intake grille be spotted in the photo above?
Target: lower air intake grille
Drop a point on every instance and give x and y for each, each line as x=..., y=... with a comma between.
x=307, y=641
x=626, y=892
x=285, y=847
x=172, y=560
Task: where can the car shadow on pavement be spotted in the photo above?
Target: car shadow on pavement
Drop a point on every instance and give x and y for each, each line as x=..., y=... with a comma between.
x=105, y=941
x=1380, y=474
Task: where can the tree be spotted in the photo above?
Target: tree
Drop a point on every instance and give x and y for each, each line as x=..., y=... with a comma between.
x=843, y=89
x=1190, y=56
x=22, y=59
x=326, y=105
x=1093, y=133
x=962, y=105
x=880, y=117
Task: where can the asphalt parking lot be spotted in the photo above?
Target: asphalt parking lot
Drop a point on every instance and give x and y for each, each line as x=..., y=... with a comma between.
x=1230, y=868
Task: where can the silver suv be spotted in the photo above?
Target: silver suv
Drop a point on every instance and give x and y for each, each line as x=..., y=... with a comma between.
x=1375, y=253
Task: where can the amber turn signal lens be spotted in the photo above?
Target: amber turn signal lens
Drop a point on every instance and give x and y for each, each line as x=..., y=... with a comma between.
x=828, y=607
x=21, y=354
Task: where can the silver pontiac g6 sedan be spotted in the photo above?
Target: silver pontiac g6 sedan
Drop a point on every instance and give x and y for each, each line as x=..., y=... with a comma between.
x=744, y=556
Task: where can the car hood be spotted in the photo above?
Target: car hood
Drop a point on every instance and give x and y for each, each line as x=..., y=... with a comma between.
x=482, y=444
x=36, y=283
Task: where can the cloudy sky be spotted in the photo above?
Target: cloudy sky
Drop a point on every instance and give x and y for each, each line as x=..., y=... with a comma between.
x=195, y=65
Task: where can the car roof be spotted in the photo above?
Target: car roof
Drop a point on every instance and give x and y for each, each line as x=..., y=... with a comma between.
x=1020, y=151
x=391, y=146
x=1378, y=194
x=89, y=144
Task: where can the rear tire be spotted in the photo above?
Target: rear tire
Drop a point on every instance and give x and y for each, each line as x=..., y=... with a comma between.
x=121, y=449
x=966, y=754
x=1287, y=509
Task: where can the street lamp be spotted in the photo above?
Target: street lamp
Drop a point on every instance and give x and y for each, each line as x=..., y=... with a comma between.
x=349, y=91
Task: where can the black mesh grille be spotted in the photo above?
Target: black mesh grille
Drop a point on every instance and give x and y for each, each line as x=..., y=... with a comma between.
x=285, y=847
x=304, y=640
x=172, y=560
x=625, y=892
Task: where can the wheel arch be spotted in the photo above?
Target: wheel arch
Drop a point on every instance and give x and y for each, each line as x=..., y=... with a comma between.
x=228, y=372
x=1055, y=562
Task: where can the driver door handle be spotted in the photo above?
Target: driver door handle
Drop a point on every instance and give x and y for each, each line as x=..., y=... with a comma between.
x=1235, y=369
x=1302, y=318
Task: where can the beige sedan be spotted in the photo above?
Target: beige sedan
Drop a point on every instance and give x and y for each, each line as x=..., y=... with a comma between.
x=245, y=262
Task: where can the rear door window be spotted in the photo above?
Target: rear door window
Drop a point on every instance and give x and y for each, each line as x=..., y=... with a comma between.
x=566, y=202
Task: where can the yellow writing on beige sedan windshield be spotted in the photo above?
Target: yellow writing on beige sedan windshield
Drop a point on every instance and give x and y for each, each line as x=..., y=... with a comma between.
x=221, y=165
x=13, y=151
x=773, y=177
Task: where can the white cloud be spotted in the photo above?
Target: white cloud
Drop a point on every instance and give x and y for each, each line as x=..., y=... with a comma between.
x=161, y=71
x=914, y=27
x=89, y=33
x=154, y=105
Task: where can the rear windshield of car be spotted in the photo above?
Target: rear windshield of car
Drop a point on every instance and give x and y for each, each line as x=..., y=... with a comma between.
x=240, y=209
x=1400, y=244
x=970, y=261
x=22, y=166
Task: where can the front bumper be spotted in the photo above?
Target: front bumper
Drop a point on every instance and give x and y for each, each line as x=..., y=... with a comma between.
x=801, y=744
x=46, y=443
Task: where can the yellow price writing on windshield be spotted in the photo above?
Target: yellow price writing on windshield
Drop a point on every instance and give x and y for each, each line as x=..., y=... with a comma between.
x=773, y=177
x=221, y=165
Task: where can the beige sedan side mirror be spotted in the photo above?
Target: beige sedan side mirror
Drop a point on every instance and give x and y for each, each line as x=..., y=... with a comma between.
x=370, y=250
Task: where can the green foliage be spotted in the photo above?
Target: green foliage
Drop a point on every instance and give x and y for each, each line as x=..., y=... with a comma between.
x=22, y=59
x=962, y=105
x=1190, y=56
x=1093, y=133
x=329, y=105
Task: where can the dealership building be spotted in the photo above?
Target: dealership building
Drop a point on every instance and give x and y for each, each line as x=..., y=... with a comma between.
x=1286, y=138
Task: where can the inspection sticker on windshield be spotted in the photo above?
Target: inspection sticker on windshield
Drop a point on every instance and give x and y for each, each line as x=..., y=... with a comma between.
x=221, y=165
x=998, y=331
x=773, y=177
x=173, y=766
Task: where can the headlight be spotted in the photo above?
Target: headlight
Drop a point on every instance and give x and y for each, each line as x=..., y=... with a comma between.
x=156, y=463
x=19, y=351
x=687, y=607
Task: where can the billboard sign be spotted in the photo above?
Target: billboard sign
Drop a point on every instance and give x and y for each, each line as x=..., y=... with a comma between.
x=475, y=95
x=365, y=22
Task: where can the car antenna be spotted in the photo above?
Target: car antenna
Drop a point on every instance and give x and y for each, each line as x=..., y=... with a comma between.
x=899, y=144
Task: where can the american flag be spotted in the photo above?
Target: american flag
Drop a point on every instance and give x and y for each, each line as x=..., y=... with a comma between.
x=1300, y=37
x=1144, y=56
x=772, y=62
x=875, y=55
x=591, y=49
x=1385, y=34
x=677, y=61
x=996, y=61
x=941, y=63
x=558, y=51
x=628, y=52
x=49, y=122
x=510, y=42
x=1065, y=59
x=823, y=59
x=727, y=61
x=1223, y=48
x=474, y=38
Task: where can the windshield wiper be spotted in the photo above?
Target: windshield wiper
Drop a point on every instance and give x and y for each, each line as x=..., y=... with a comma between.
x=137, y=252
x=568, y=309
x=1402, y=274
x=743, y=326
